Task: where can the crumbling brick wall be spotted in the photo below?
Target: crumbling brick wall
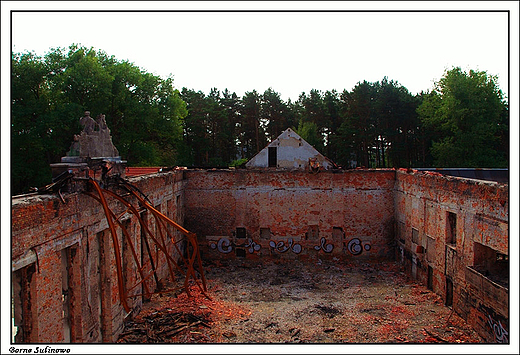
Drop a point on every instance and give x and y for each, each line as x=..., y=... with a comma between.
x=452, y=234
x=291, y=214
x=63, y=262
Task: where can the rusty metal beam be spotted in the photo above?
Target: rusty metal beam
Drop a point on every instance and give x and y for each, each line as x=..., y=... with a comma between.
x=162, y=222
x=192, y=237
x=121, y=288
x=134, y=254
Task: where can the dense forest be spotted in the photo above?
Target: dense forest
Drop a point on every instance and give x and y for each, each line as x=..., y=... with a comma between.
x=462, y=122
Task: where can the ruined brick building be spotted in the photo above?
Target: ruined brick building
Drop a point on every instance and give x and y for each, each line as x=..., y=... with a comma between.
x=451, y=233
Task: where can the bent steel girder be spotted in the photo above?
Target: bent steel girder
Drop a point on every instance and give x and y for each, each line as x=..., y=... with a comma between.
x=162, y=222
x=134, y=253
x=121, y=288
x=192, y=238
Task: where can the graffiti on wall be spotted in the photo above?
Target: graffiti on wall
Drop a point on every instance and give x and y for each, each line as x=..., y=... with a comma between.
x=282, y=248
x=355, y=247
x=253, y=246
x=327, y=248
x=225, y=246
x=498, y=329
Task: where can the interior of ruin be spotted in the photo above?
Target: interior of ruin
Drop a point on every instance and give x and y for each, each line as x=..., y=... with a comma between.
x=262, y=254
x=71, y=284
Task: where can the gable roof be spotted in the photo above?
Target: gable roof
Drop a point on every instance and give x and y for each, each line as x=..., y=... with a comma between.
x=289, y=151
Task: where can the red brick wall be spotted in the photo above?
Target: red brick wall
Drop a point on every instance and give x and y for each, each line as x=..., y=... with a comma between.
x=47, y=226
x=351, y=215
x=424, y=201
x=291, y=214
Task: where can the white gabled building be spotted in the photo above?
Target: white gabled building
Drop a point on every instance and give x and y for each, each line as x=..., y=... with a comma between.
x=290, y=151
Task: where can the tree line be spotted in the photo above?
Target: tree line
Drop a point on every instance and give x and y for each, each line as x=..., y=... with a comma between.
x=462, y=122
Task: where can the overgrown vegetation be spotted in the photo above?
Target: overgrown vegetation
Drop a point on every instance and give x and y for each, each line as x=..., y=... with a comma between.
x=463, y=122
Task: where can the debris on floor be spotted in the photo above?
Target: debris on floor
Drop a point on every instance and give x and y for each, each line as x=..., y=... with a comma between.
x=160, y=327
x=296, y=302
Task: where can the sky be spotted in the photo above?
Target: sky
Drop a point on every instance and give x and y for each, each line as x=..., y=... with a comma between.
x=291, y=52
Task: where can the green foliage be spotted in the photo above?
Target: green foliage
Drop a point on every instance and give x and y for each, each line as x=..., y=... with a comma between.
x=332, y=108
x=50, y=94
x=39, y=124
x=398, y=124
x=253, y=137
x=310, y=133
x=238, y=162
x=462, y=123
x=210, y=128
x=313, y=120
x=274, y=114
x=468, y=114
x=360, y=114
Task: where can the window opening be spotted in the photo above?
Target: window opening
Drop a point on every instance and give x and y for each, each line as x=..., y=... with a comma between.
x=415, y=236
x=449, y=292
x=66, y=294
x=401, y=229
x=272, y=159
x=491, y=263
x=241, y=232
x=127, y=254
x=451, y=228
x=337, y=233
x=265, y=233
x=430, y=278
x=103, y=291
x=21, y=304
x=312, y=233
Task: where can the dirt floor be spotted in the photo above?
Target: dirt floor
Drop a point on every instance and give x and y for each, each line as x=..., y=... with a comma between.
x=295, y=302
